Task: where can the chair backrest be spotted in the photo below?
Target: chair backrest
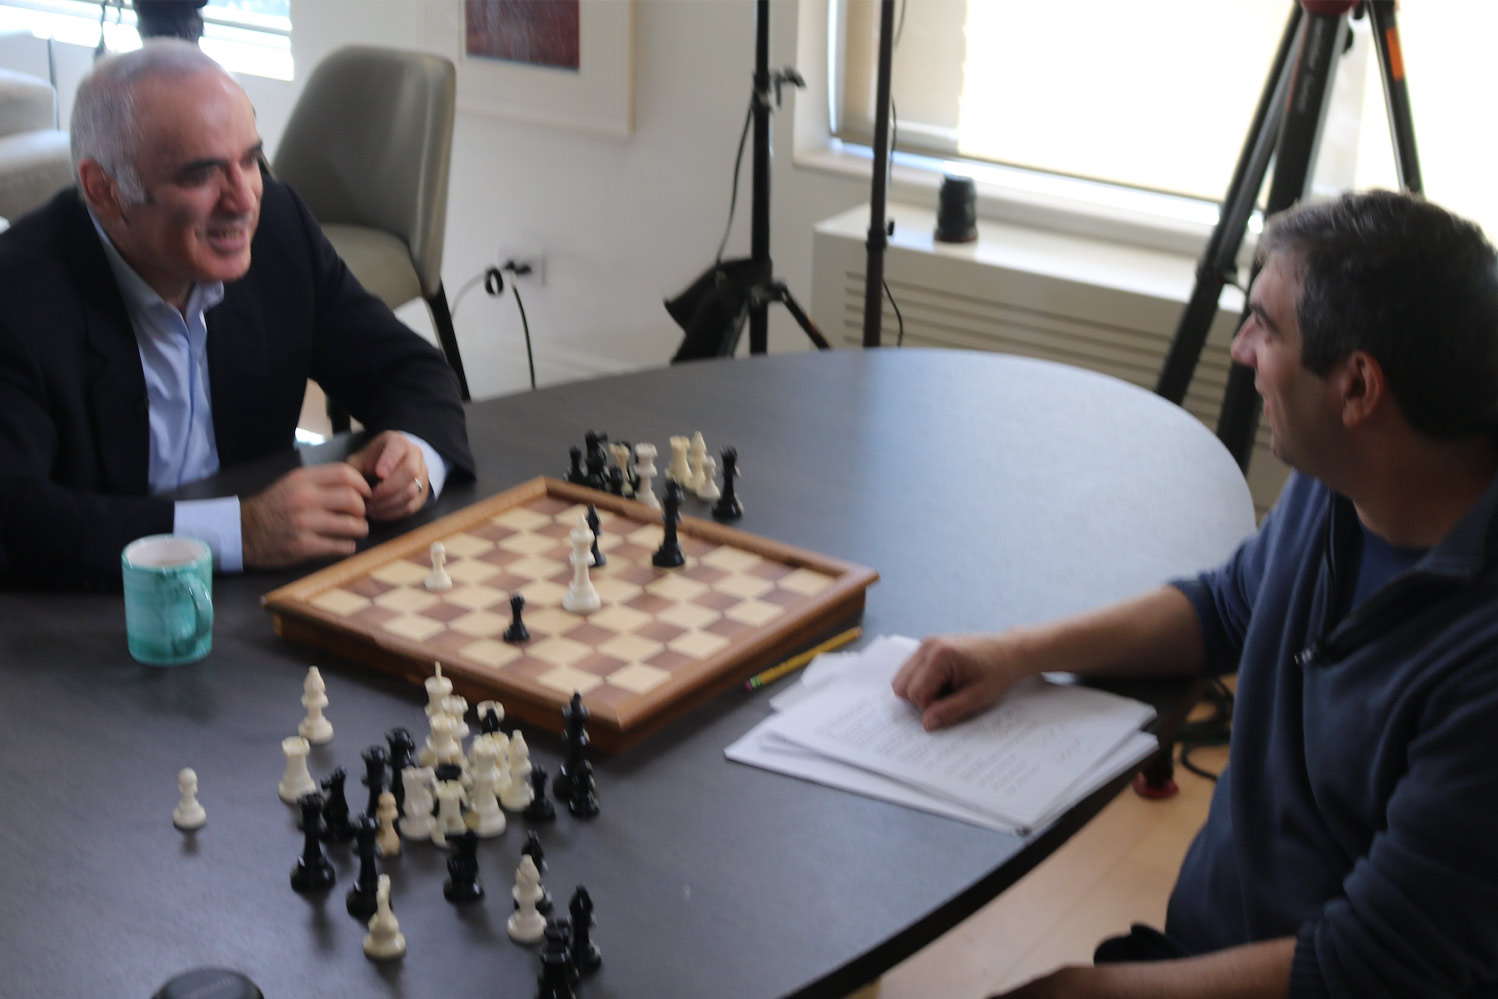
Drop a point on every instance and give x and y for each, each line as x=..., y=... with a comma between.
x=369, y=143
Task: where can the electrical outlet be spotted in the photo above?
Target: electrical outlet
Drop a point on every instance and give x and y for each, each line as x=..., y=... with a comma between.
x=524, y=257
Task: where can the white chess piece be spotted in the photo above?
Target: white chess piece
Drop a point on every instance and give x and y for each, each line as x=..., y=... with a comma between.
x=645, y=469
x=384, y=941
x=679, y=469
x=697, y=452
x=315, y=728
x=442, y=743
x=457, y=708
x=188, y=815
x=519, y=792
x=420, y=784
x=387, y=840
x=581, y=597
x=438, y=688
x=450, y=822
x=438, y=580
x=297, y=780
x=486, y=817
x=526, y=925
x=621, y=460
x=484, y=707
x=707, y=488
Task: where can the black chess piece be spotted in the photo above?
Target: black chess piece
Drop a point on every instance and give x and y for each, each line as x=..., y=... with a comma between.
x=335, y=813
x=669, y=555
x=517, y=631
x=463, y=884
x=540, y=809
x=582, y=792
x=595, y=479
x=557, y=972
x=489, y=721
x=402, y=755
x=374, y=776
x=558, y=936
x=616, y=480
x=631, y=476
x=586, y=957
x=596, y=526
x=575, y=472
x=361, y=902
x=575, y=719
x=728, y=506
x=312, y=871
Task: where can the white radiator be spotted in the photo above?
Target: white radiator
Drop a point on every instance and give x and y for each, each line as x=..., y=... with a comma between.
x=1106, y=307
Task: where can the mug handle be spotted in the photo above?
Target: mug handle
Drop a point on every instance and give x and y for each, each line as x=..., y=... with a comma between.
x=203, y=608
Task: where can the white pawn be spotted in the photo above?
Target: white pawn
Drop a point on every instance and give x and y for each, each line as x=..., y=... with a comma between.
x=449, y=812
x=188, y=815
x=384, y=941
x=527, y=925
x=645, y=469
x=297, y=780
x=695, y=455
x=581, y=597
x=315, y=728
x=420, y=783
x=519, y=792
x=486, y=817
x=438, y=688
x=679, y=469
x=438, y=579
x=387, y=840
x=707, y=486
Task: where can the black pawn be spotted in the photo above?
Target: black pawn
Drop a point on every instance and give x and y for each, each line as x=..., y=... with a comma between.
x=374, y=776
x=586, y=957
x=361, y=901
x=402, y=755
x=596, y=526
x=582, y=794
x=728, y=506
x=540, y=809
x=517, y=631
x=335, y=812
x=557, y=972
x=575, y=473
x=463, y=884
x=312, y=871
x=668, y=555
x=616, y=480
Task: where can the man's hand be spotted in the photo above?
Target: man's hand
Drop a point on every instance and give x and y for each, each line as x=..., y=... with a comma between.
x=309, y=512
x=400, y=473
x=952, y=677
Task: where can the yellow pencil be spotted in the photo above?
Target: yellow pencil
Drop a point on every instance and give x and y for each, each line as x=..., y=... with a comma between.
x=797, y=661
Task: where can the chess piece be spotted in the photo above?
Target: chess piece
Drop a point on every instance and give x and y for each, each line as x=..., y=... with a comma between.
x=490, y=714
x=450, y=820
x=297, y=780
x=189, y=814
x=374, y=777
x=360, y=900
x=621, y=454
x=438, y=580
x=595, y=525
x=384, y=941
x=442, y=744
x=517, y=794
x=695, y=457
x=575, y=466
x=596, y=460
x=581, y=597
x=645, y=469
x=574, y=719
x=335, y=810
x=402, y=755
x=388, y=841
x=582, y=792
x=678, y=470
x=728, y=506
x=438, y=689
x=540, y=809
x=517, y=631
x=707, y=488
x=586, y=957
x=312, y=871
x=669, y=554
x=485, y=817
x=532, y=849
x=557, y=972
x=420, y=784
x=526, y=925
x=316, y=729
x=463, y=884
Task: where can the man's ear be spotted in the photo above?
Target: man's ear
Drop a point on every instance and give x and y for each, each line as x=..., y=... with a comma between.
x=100, y=191
x=1361, y=387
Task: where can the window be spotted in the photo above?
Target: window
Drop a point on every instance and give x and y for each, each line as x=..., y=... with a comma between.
x=246, y=36
x=1158, y=94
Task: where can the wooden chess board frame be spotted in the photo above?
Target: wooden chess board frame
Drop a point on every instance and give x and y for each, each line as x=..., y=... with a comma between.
x=611, y=727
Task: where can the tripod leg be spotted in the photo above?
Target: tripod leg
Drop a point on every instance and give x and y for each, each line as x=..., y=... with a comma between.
x=1396, y=93
x=1218, y=261
x=1300, y=136
x=807, y=326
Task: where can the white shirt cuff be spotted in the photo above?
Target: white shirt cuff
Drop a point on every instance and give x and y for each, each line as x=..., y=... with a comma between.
x=437, y=466
x=215, y=522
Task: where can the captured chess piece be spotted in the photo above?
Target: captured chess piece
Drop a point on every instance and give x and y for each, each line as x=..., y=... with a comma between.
x=189, y=814
x=532, y=849
x=596, y=459
x=387, y=840
x=297, y=780
x=575, y=470
x=707, y=486
x=586, y=957
x=728, y=506
x=679, y=469
x=526, y=925
x=421, y=786
x=384, y=941
x=374, y=759
x=645, y=471
x=438, y=580
x=669, y=554
x=312, y=871
x=595, y=525
x=335, y=810
x=360, y=900
x=558, y=974
x=315, y=728
x=402, y=755
x=463, y=884
x=517, y=631
x=540, y=809
x=582, y=792
x=574, y=721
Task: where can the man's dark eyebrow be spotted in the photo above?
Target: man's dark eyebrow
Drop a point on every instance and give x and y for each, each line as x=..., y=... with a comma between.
x=1262, y=315
x=209, y=163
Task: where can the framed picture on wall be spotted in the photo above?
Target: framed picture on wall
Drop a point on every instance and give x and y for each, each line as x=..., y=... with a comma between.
x=567, y=63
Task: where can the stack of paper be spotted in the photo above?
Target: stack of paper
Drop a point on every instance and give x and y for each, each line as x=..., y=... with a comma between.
x=1014, y=768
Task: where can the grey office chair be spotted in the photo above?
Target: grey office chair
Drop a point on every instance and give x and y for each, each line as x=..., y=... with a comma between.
x=368, y=148
x=34, y=159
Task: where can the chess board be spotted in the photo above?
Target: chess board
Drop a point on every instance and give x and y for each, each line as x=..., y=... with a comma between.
x=663, y=641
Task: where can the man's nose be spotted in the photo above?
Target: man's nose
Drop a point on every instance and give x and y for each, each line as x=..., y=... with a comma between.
x=1241, y=349
x=239, y=187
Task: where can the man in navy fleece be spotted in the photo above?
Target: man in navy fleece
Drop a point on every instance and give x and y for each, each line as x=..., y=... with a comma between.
x=1352, y=844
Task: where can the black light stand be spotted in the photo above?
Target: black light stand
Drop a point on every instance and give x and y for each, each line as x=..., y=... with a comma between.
x=1288, y=123
x=873, y=287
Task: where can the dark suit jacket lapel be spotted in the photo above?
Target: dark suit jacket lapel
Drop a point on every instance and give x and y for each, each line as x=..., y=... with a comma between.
x=236, y=367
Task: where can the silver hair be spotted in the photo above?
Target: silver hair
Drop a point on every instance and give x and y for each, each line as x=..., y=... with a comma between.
x=105, y=125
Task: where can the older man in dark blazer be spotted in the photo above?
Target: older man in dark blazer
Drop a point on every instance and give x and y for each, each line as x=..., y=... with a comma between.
x=161, y=322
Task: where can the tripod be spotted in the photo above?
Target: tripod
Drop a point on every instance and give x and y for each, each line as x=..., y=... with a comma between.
x=713, y=308
x=1288, y=124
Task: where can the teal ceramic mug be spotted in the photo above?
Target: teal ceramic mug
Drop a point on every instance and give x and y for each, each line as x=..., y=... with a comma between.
x=168, y=599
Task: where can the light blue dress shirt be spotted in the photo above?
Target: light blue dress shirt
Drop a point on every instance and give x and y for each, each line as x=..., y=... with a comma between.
x=174, y=357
